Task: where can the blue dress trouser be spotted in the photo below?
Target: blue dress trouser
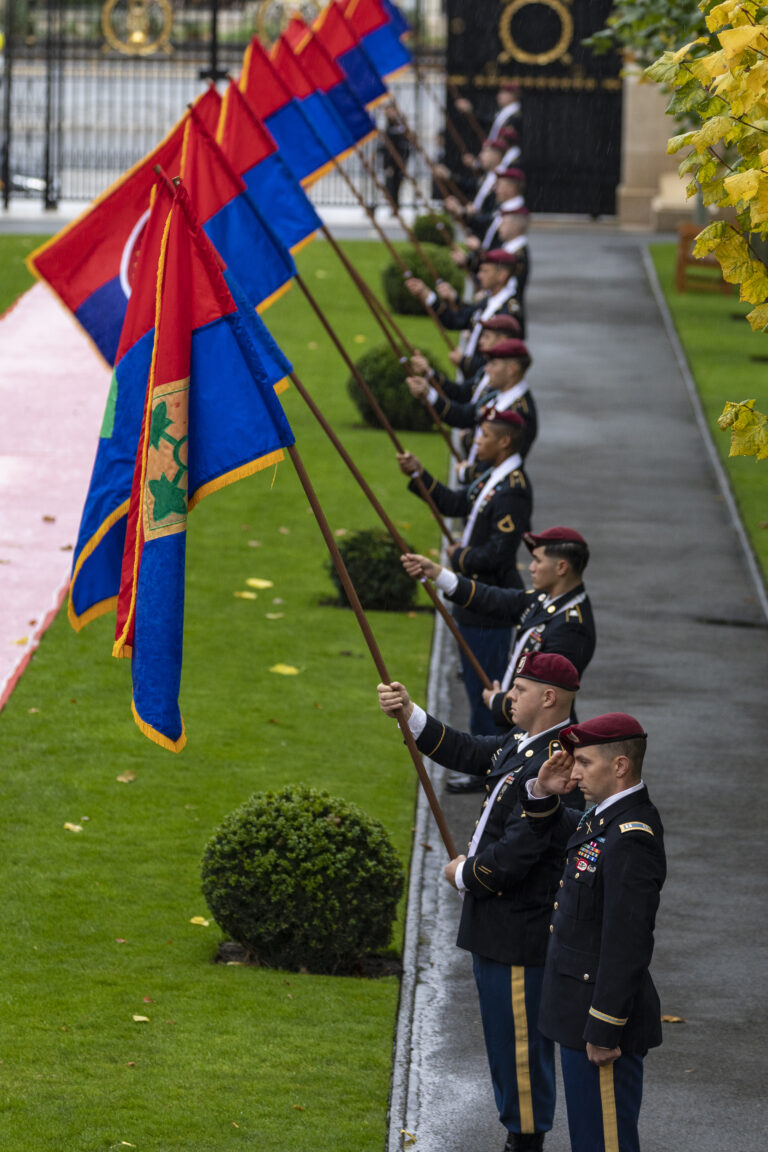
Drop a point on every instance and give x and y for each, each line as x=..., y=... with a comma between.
x=603, y=1103
x=522, y=1061
x=491, y=647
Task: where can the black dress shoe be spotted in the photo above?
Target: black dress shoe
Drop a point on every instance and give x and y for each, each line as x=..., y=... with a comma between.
x=524, y=1142
x=458, y=783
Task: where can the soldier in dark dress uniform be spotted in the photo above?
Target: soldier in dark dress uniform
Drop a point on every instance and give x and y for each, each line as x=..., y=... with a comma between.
x=508, y=880
x=555, y=615
x=598, y=1000
x=498, y=506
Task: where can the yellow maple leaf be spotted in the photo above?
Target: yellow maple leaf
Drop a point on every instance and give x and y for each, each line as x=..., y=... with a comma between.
x=256, y=582
x=722, y=14
x=758, y=318
x=748, y=428
x=743, y=185
x=734, y=257
x=754, y=286
x=682, y=52
x=246, y=595
x=201, y=920
x=712, y=131
x=708, y=67
x=73, y=827
x=141, y=1019
x=284, y=669
x=735, y=41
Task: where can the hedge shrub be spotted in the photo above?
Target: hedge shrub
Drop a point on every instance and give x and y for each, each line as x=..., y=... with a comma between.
x=398, y=296
x=426, y=229
x=303, y=880
x=373, y=562
x=385, y=375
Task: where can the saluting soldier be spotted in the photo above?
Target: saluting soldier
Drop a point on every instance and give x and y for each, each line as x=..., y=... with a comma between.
x=598, y=999
x=508, y=879
x=497, y=506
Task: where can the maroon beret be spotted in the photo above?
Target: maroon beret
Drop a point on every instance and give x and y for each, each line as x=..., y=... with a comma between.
x=551, y=535
x=498, y=256
x=508, y=133
x=501, y=323
x=509, y=350
x=509, y=173
x=506, y=416
x=548, y=668
x=607, y=729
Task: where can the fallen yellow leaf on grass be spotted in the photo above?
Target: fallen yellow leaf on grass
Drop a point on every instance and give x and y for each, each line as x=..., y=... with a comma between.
x=73, y=827
x=141, y=1019
x=126, y=777
x=284, y=669
x=321, y=273
x=200, y=920
x=32, y=710
x=274, y=615
x=246, y=595
x=257, y=582
x=673, y=1020
x=360, y=339
x=284, y=531
x=125, y=1143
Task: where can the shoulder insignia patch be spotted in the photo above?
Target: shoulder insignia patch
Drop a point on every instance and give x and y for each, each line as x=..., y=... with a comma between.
x=554, y=746
x=575, y=614
x=506, y=524
x=516, y=480
x=636, y=826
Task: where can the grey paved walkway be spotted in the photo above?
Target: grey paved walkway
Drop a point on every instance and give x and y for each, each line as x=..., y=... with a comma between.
x=682, y=644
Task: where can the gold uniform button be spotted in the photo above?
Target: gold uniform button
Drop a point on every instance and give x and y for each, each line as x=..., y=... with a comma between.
x=529, y=752
x=551, y=609
x=555, y=904
x=586, y=975
x=562, y=883
x=551, y=927
x=576, y=875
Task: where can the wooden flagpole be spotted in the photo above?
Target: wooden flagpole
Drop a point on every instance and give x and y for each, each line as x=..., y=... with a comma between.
x=373, y=647
x=390, y=527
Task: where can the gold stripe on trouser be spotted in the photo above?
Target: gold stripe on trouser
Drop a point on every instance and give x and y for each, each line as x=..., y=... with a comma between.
x=520, y=1019
x=608, y=1101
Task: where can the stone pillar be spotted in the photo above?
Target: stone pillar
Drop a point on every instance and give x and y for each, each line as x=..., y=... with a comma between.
x=651, y=194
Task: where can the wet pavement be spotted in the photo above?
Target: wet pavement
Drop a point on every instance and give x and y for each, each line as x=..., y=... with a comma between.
x=683, y=645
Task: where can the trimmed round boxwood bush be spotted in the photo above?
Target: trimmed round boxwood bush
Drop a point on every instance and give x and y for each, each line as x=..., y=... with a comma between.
x=398, y=296
x=385, y=376
x=427, y=229
x=373, y=561
x=302, y=879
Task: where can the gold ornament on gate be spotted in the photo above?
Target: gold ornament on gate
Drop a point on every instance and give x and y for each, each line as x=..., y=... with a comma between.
x=558, y=51
x=273, y=16
x=138, y=27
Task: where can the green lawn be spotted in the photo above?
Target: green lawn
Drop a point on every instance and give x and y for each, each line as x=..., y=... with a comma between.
x=729, y=362
x=98, y=922
x=14, y=277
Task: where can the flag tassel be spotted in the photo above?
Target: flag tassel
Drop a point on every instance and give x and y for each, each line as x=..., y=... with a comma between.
x=373, y=647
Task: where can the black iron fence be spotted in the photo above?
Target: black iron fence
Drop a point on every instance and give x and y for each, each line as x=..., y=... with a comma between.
x=88, y=88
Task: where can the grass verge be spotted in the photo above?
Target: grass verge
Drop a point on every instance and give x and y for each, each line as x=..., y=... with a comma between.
x=98, y=924
x=728, y=362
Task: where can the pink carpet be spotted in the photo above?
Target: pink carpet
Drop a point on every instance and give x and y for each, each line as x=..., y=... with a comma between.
x=53, y=387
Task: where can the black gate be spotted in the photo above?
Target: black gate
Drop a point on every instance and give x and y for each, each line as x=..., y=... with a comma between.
x=571, y=99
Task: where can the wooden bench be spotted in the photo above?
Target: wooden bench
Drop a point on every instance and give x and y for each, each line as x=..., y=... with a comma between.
x=688, y=264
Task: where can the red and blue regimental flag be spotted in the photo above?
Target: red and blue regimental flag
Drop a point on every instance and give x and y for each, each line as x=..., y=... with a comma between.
x=379, y=30
x=90, y=263
x=317, y=108
x=338, y=38
x=327, y=77
x=210, y=416
x=99, y=549
x=273, y=100
x=270, y=183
